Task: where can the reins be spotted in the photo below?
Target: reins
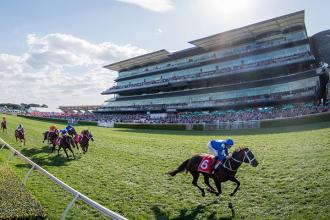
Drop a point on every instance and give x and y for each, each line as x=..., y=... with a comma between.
x=229, y=166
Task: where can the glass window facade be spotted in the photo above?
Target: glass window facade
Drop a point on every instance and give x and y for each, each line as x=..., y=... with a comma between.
x=244, y=63
x=299, y=84
x=259, y=44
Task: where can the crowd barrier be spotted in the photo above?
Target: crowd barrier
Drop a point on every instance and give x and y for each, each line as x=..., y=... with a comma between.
x=236, y=125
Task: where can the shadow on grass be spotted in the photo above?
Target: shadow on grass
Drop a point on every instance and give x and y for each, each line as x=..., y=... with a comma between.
x=254, y=131
x=45, y=157
x=192, y=214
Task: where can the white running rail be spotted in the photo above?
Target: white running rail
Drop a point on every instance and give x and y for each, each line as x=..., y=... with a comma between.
x=75, y=193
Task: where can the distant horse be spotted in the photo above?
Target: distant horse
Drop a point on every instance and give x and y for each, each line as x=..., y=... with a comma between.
x=19, y=134
x=225, y=172
x=65, y=142
x=4, y=126
x=83, y=140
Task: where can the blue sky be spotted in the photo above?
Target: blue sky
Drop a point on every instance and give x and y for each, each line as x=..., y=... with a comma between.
x=59, y=47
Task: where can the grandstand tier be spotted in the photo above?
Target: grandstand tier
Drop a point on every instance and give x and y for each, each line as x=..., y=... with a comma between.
x=267, y=63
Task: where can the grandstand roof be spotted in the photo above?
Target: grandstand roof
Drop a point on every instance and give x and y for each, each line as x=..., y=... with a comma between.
x=139, y=61
x=231, y=37
x=252, y=31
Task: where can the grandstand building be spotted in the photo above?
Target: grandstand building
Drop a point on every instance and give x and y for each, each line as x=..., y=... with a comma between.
x=267, y=63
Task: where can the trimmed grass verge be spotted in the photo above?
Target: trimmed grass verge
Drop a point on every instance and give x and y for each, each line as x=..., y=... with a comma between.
x=15, y=201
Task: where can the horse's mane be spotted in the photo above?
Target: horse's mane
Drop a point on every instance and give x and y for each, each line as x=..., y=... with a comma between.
x=240, y=149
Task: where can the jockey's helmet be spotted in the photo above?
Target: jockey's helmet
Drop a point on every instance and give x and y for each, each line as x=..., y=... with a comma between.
x=229, y=142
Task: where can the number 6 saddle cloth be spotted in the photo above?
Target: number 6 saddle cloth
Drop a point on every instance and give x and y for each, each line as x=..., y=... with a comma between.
x=206, y=164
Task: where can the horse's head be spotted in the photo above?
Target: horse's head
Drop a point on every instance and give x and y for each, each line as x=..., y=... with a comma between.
x=245, y=155
x=91, y=136
x=72, y=132
x=88, y=134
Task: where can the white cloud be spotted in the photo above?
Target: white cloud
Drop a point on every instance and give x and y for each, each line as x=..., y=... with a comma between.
x=60, y=69
x=153, y=5
x=10, y=63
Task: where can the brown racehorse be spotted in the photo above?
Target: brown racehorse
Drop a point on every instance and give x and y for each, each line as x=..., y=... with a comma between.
x=65, y=142
x=19, y=134
x=50, y=136
x=4, y=126
x=226, y=171
x=84, y=138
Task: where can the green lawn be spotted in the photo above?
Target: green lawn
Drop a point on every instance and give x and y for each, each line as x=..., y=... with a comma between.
x=125, y=170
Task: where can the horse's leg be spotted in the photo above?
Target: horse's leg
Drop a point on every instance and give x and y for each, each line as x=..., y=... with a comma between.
x=58, y=150
x=207, y=182
x=233, y=179
x=194, y=182
x=218, y=185
x=77, y=145
x=72, y=152
x=83, y=148
x=64, y=148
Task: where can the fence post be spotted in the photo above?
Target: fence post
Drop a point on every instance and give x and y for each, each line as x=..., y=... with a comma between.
x=69, y=207
x=3, y=145
x=28, y=174
x=11, y=156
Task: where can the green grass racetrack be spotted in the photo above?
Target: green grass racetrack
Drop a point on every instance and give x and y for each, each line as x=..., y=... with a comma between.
x=125, y=170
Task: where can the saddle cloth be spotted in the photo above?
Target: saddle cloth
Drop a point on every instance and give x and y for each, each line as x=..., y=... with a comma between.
x=78, y=138
x=206, y=164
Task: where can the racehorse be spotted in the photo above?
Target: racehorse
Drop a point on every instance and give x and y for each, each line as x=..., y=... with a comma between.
x=72, y=132
x=225, y=172
x=64, y=142
x=51, y=137
x=4, y=126
x=19, y=134
x=83, y=140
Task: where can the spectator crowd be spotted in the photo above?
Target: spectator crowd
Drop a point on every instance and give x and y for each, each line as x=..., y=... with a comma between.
x=221, y=116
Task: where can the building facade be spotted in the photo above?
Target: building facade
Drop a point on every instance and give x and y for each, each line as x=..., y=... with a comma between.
x=267, y=63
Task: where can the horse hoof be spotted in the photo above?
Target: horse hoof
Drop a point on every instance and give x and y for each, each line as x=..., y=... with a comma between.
x=217, y=194
x=232, y=194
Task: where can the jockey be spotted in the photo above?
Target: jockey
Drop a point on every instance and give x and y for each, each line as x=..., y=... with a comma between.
x=20, y=128
x=69, y=127
x=52, y=128
x=63, y=132
x=219, y=148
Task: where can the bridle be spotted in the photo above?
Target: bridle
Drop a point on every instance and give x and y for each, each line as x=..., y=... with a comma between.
x=87, y=135
x=246, y=155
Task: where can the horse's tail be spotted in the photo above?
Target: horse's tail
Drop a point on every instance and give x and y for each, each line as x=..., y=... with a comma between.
x=180, y=169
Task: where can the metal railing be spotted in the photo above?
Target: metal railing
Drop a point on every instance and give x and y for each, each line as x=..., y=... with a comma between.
x=77, y=195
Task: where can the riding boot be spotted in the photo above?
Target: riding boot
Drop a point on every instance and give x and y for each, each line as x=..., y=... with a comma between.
x=213, y=164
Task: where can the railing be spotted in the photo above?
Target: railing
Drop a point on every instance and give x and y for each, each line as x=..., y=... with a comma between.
x=77, y=195
x=204, y=75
